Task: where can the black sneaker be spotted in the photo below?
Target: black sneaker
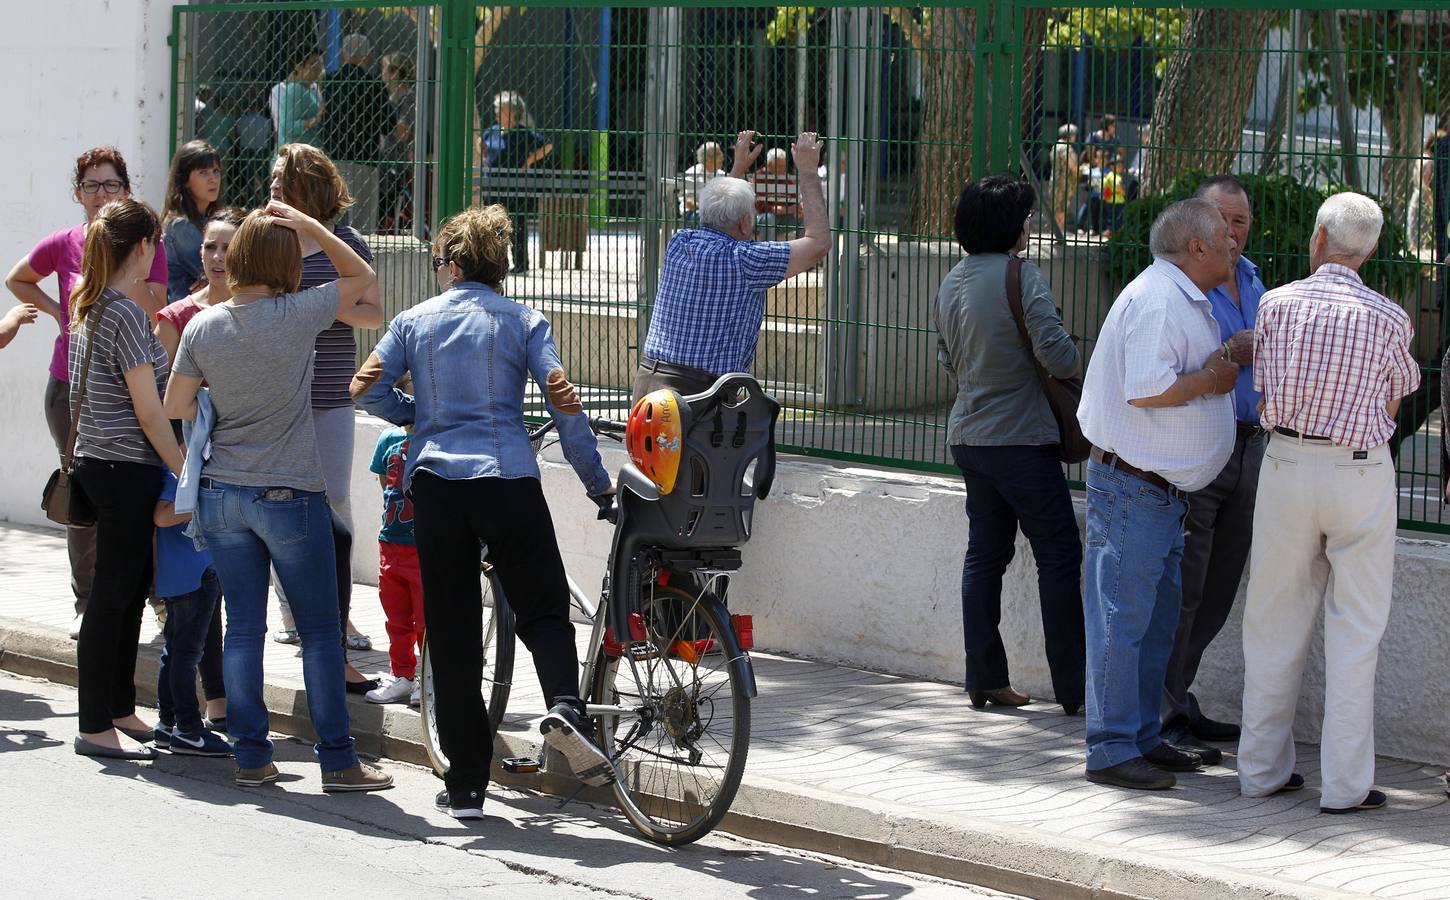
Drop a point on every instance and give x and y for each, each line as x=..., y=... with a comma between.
x=1181, y=738
x=1136, y=773
x=569, y=732
x=1171, y=759
x=460, y=804
x=199, y=743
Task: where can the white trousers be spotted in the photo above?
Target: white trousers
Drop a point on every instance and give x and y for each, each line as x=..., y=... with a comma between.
x=1324, y=532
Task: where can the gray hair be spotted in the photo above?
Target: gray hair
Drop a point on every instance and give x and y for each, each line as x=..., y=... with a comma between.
x=1352, y=223
x=356, y=45
x=1067, y=132
x=774, y=154
x=513, y=100
x=706, y=149
x=725, y=202
x=1180, y=223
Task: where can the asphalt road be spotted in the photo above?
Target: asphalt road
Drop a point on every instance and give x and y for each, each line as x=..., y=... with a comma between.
x=78, y=827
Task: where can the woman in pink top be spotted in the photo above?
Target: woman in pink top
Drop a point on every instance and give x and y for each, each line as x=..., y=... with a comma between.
x=100, y=177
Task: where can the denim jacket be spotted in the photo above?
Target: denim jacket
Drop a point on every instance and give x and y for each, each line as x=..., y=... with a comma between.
x=471, y=352
x=198, y=449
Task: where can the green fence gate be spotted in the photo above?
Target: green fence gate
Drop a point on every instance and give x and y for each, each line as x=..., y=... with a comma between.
x=1298, y=99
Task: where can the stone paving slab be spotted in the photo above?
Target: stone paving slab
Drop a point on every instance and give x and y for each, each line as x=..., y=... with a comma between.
x=899, y=747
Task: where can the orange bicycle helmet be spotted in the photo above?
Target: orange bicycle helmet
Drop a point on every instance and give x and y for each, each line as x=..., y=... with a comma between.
x=653, y=436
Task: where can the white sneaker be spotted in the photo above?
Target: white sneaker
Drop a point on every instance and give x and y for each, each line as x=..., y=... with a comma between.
x=416, y=697
x=75, y=628
x=392, y=692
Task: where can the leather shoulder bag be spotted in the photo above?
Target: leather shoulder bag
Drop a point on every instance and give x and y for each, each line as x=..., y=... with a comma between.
x=63, y=501
x=1063, y=394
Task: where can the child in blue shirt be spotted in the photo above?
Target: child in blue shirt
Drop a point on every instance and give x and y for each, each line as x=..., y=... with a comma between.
x=188, y=585
x=400, y=583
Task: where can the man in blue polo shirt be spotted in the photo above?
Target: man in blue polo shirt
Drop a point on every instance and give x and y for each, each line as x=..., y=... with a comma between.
x=1219, y=524
x=711, y=299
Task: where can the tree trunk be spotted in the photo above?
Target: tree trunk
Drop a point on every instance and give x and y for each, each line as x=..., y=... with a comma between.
x=1198, y=119
x=944, y=144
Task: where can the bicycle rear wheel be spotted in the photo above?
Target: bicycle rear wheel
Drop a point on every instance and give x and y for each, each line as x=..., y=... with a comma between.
x=498, y=669
x=681, y=756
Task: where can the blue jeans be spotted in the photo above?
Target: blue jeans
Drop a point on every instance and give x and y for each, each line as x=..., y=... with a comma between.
x=1131, y=598
x=248, y=531
x=188, y=621
x=1008, y=487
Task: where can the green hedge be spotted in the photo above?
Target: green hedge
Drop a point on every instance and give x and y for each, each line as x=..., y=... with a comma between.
x=1278, y=242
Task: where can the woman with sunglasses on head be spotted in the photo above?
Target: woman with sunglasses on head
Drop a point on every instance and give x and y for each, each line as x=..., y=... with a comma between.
x=118, y=370
x=193, y=193
x=100, y=177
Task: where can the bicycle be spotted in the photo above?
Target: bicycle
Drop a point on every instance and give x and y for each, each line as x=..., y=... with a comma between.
x=669, y=693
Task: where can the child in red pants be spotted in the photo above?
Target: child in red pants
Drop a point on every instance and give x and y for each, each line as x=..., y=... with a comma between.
x=399, y=585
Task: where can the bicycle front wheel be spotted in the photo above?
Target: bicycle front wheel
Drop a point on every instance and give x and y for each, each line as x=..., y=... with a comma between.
x=498, y=670
x=682, y=754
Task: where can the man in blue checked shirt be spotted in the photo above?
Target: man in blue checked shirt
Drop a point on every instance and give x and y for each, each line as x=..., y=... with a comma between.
x=711, y=299
x=1220, y=520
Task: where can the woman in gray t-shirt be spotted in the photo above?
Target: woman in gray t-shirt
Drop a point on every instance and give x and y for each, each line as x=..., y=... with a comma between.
x=262, y=499
x=117, y=368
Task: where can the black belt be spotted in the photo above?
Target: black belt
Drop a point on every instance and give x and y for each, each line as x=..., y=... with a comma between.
x=650, y=364
x=1248, y=429
x=205, y=483
x=1289, y=432
x=1114, y=461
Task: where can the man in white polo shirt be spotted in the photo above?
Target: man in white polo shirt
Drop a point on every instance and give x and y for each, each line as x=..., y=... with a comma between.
x=1333, y=359
x=1157, y=409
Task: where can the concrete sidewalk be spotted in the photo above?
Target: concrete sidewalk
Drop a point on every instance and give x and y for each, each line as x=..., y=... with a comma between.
x=905, y=774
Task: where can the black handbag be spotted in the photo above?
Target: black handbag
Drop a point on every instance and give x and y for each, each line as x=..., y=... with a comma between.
x=63, y=500
x=1063, y=394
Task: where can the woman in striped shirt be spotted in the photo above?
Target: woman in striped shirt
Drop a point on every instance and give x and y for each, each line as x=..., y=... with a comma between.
x=122, y=438
x=305, y=178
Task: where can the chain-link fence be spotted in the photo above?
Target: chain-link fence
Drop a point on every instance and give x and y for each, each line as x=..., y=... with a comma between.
x=596, y=125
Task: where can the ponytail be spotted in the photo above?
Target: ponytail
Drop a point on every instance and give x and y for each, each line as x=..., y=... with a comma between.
x=110, y=239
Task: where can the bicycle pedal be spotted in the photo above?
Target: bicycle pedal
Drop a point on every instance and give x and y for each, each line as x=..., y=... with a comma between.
x=520, y=765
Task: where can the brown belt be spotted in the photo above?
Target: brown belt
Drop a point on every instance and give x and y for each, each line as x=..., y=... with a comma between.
x=650, y=364
x=1114, y=461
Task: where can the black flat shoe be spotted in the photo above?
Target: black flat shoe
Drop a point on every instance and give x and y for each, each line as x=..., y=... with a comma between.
x=1071, y=709
x=1183, y=739
x=84, y=747
x=1295, y=783
x=1372, y=800
x=362, y=687
x=1135, y=774
x=219, y=724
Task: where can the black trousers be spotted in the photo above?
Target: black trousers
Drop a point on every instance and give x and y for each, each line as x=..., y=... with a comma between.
x=451, y=519
x=652, y=374
x=1216, y=535
x=125, y=495
x=212, y=683
x=1010, y=487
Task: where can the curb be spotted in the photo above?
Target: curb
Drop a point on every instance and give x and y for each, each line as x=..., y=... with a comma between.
x=1002, y=857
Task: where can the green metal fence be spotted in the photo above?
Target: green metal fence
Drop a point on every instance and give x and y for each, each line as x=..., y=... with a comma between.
x=615, y=104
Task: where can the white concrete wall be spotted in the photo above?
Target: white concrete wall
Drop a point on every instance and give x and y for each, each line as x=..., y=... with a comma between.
x=78, y=73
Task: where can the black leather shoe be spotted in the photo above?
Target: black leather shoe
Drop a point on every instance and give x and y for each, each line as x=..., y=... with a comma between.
x=1171, y=759
x=1136, y=774
x=1206, y=729
x=1183, y=739
x=1071, y=709
x=362, y=687
x=1372, y=800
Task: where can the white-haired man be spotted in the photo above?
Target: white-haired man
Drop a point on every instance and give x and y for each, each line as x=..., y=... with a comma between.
x=356, y=116
x=1332, y=358
x=711, y=299
x=709, y=163
x=1155, y=405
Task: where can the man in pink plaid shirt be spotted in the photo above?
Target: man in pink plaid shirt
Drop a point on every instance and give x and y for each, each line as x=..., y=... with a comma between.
x=1332, y=358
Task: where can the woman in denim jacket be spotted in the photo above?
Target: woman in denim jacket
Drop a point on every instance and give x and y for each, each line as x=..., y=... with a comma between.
x=474, y=480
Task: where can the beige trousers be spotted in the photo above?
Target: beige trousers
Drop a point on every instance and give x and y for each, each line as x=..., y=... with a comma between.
x=1324, y=534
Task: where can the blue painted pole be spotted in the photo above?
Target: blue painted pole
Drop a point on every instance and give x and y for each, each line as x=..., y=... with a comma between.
x=332, y=48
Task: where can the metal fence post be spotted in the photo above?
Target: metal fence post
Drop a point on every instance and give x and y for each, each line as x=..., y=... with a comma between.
x=455, y=89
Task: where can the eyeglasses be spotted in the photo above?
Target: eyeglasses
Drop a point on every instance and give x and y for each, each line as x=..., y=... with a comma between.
x=441, y=261
x=112, y=186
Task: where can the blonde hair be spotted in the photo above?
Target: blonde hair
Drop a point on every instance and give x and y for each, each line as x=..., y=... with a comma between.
x=263, y=252
x=311, y=182
x=478, y=240
x=114, y=234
